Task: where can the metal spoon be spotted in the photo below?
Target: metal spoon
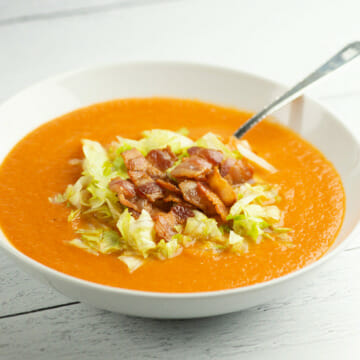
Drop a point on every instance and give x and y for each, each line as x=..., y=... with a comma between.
x=344, y=56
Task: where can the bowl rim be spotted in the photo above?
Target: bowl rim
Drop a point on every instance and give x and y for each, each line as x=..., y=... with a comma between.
x=41, y=268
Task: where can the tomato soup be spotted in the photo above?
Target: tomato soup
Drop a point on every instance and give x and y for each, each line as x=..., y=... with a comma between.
x=312, y=197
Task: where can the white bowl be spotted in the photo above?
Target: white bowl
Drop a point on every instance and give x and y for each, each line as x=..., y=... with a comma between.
x=54, y=97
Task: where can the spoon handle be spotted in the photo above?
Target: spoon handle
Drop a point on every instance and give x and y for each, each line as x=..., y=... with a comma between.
x=345, y=55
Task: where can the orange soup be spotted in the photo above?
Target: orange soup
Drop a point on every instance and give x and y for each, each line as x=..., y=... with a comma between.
x=312, y=197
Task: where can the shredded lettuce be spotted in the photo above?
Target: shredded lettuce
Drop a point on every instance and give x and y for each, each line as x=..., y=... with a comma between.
x=155, y=139
x=132, y=262
x=74, y=215
x=183, y=131
x=245, y=150
x=104, y=241
x=169, y=249
x=95, y=158
x=81, y=245
x=75, y=194
x=158, y=139
x=140, y=233
x=249, y=214
x=127, y=144
x=250, y=226
x=211, y=141
x=216, y=248
x=238, y=243
x=200, y=226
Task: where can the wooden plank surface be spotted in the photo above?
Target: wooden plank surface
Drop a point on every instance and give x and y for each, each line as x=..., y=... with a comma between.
x=281, y=40
x=318, y=311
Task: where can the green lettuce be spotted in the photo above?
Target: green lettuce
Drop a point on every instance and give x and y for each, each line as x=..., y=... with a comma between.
x=250, y=217
x=132, y=262
x=237, y=242
x=211, y=141
x=140, y=233
x=104, y=241
x=158, y=139
x=202, y=227
x=168, y=249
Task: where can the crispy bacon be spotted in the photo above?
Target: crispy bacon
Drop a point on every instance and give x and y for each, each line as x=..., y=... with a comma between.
x=213, y=156
x=189, y=189
x=126, y=187
x=135, y=161
x=217, y=206
x=167, y=185
x=141, y=174
x=193, y=167
x=162, y=159
x=236, y=171
x=182, y=212
x=173, y=198
x=202, y=197
x=165, y=222
x=165, y=226
x=221, y=187
x=205, y=183
x=127, y=195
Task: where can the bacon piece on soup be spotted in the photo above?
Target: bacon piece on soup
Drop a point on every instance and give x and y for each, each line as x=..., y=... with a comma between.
x=167, y=185
x=141, y=173
x=165, y=225
x=135, y=161
x=199, y=195
x=191, y=194
x=236, y=171
x=193, y=167
x=128, y=197
x=162, y=159
x=165, y=222
x=173, y=198
x=150, y=190
x=182, y=212
x=125, y=187
x=213, y=156
x=221, y=187
x=216, y=206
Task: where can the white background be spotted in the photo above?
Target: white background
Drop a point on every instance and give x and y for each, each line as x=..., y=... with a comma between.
x=280, y=39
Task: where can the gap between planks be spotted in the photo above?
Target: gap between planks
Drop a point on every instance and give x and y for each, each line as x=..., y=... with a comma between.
x=39, y=310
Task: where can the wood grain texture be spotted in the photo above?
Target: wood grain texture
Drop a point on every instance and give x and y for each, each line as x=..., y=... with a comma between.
x=19, y=292
x=316, y=312
x=281, y=40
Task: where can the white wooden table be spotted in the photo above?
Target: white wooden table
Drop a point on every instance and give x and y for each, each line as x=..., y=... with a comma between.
x=279, y=39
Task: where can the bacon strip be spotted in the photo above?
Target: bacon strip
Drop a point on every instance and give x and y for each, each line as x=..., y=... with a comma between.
x=221, y=187
x=202, y=197
x=193, y=167
x=167, y=185
x=182, y=212
x=165, y=223
x=162, y=159
x=213, y=156
x=128, y=197
x=217, y=206
x=141, y=174
x=236, y=171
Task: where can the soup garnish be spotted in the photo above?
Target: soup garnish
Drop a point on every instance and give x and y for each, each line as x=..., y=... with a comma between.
x=152, y=197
